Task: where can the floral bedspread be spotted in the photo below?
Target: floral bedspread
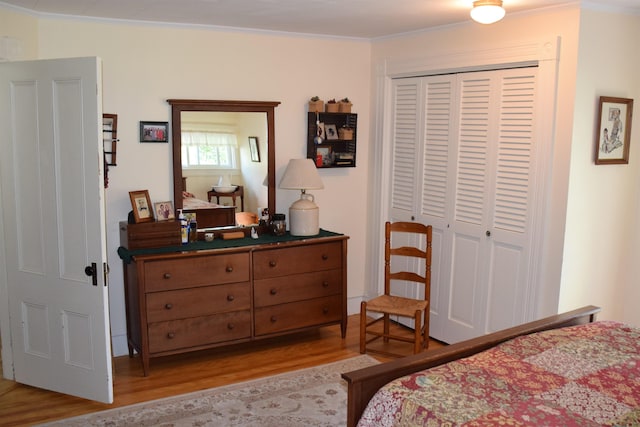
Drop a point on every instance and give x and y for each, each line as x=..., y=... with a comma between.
x=584, y=376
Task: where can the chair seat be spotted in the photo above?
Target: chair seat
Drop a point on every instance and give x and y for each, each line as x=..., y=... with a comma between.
x=396, y=305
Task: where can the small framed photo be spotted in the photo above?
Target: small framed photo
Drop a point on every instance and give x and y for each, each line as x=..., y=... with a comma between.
x=141, y=205
x=254, y=148
x=154, y=131
x=164, y=211
x=614, y=130
x=324, y=157
x=331, y=131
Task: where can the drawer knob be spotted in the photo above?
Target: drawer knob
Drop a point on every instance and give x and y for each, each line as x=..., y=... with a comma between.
x=273, y=319
x=168, y=306
x=229, y=269
x=230, y=298
x=325, y=310
x=272, y=263
x=230, y=326
x=325, y=257
x=171, y=335
x=273, y=291
x=167, y=275
x=325, y=284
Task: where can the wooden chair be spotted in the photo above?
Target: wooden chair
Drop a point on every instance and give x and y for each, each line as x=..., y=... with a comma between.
x=392, y=305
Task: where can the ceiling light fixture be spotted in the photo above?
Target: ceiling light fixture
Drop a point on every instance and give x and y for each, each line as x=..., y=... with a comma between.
x=487, y=11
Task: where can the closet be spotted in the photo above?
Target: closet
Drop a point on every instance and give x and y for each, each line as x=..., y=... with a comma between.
x=463, y=160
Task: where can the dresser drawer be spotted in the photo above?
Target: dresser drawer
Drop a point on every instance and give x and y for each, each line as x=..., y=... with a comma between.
x=199, y=331
x=201, y=301
x=295, y=260
x=278, y=290
x=284, y=317
x=181, y=273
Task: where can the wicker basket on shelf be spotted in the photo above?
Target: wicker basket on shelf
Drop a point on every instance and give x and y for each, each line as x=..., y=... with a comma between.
x=345, y=133
x=332, y=107
x=316, y=106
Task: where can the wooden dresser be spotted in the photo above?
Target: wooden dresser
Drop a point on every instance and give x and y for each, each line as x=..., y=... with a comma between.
x=210, y=295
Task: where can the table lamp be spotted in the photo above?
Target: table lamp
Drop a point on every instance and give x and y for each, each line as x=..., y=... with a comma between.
x=301, y=174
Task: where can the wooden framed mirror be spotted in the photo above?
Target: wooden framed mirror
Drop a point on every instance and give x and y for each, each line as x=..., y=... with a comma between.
x=231, y=168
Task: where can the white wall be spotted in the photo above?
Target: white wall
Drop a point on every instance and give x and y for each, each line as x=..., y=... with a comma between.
x=144, y=65
x=603, y=236
x=23, y=28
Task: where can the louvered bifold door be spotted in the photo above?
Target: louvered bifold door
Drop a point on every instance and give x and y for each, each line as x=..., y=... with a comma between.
x=422, y=147
x=487, y=280
x=435, y=176
x=408, y=99
x=405, y=143
x=512, y=199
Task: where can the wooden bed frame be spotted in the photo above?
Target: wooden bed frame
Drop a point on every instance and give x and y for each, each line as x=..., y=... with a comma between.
x=363, y=383
x=224, y=216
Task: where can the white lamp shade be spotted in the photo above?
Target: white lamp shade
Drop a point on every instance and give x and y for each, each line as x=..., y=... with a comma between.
x=487, y=11
x=301, y=174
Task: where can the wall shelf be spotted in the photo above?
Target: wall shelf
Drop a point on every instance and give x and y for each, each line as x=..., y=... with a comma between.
x=339, y=134
x=109, y=142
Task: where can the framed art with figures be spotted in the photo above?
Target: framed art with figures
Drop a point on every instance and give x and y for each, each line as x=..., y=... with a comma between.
x=154, y=131
x=614, y=130
x=164, y=211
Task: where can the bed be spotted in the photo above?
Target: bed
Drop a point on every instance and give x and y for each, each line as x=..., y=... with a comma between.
x=566, y=369
x=208, y=214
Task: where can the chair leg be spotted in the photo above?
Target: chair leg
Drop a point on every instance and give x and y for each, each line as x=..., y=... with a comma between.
x=426, y=328
x=363, y=327
x=417, y=343
x=386, y=327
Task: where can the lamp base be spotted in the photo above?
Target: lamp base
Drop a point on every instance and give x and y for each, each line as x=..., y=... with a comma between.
x=304, y=217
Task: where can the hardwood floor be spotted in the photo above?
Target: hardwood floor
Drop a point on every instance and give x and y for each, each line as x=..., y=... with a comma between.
x=21, y=405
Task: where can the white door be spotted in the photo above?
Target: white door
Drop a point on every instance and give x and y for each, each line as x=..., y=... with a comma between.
x=466, y=142
x=488, y=279
x=53, y=216
x=422, y=146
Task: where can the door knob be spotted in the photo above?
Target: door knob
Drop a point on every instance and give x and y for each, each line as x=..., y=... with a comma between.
x=92, y=271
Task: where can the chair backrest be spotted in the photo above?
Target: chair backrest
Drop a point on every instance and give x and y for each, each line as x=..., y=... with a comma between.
x=424, y=233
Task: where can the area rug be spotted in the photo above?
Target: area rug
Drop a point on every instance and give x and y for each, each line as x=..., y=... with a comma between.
x=309, y=397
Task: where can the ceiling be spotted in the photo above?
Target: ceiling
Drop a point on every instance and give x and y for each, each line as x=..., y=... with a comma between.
x=342, y=18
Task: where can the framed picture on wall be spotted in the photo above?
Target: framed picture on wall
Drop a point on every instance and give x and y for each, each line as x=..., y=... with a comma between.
x=614, y=130
x=254, y=148
x=141, y=205
x=331, y=131
x=154, y=131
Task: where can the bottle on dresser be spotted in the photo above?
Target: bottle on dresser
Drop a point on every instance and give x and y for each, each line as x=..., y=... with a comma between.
x=184, y=227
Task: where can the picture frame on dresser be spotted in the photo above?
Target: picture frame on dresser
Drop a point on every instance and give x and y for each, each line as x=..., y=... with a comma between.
x=164, y=211
x=141, y=205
